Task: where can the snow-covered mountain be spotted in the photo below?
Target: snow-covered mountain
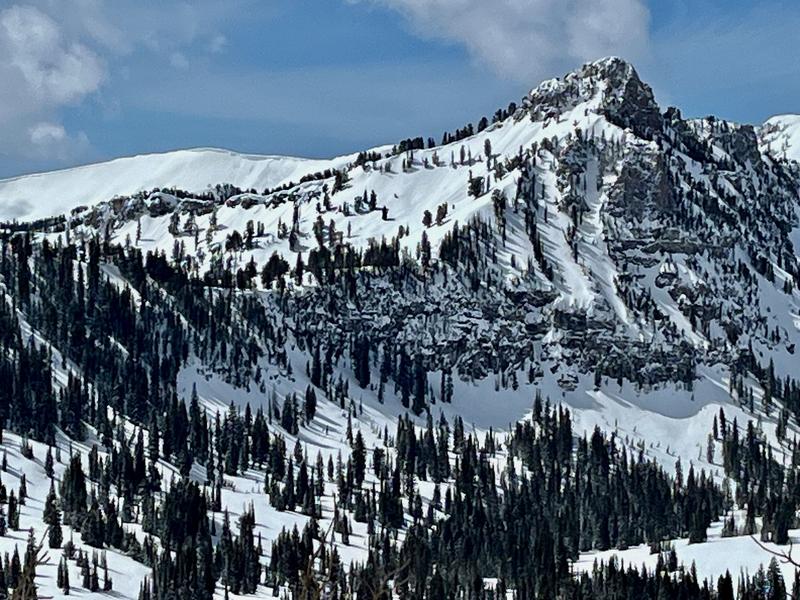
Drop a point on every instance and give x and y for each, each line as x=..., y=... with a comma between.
x=583, y=246
x=42, y=195
x=585, y=196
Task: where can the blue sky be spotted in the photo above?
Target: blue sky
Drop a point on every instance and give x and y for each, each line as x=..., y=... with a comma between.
x=89, y=80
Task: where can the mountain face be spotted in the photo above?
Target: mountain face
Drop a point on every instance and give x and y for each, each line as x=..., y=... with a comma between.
x=534, y=321
x=586, y=222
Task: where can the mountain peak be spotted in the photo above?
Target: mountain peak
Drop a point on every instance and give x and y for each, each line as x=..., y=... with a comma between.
x=613, y=64
x=610, y=86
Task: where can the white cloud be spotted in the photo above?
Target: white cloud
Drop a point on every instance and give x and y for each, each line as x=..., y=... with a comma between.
x=47, y=133
x=56, y=70
x=60, y=53
x=528, y=40
x=217, y=44
x=51, y=140
x=178, y=60
x=42, y=70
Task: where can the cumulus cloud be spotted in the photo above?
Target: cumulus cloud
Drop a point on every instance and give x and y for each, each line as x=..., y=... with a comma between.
x=41, y=71
x=51, y=140
x=527, y=40
x=55, y=55
x=179, y=60
x=55, y=70
x=46, y=133
x=217, y=44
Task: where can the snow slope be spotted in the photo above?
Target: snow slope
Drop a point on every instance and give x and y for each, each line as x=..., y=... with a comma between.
x=712, y=559
x=125, y=573
x=780, y=136
x=48, y=194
